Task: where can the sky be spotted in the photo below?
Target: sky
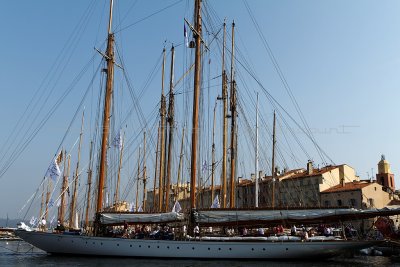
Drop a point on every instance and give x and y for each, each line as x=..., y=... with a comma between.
x=340, y=59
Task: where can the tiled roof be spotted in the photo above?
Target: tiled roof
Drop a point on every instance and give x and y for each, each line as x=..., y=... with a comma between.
x=352, y=186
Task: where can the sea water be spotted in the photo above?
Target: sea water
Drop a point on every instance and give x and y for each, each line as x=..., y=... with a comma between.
x=19, y=253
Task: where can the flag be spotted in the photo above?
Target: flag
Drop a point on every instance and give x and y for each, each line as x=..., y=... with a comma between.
x=177, y=207
x=215, y=204
x=32, y=221
x=132, y=207
x=140, y=209
x=51, y=203
x=58, y=202
x=52, y=219
x=185, y=34
x=53, y=171
x=117, y=142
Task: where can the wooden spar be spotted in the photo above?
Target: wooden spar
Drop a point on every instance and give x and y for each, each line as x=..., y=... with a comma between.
x=225, y=123
x=66, y=189
x=137, y=182
x=121, y=153
x=273, y=162
x=233, y=124
x=213, y=156
x=72, y=212
x=61, y=209
x=162, y=137
x=171, y=130
x=196, y=88
x=107, y=112
x=178, y=182
x=144, y=172
x=46, y=215
x=155, y=170
x=41, y=204
x=89, y=183
x=256, y=159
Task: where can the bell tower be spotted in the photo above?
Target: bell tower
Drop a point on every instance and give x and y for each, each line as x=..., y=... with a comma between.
x=384, y=176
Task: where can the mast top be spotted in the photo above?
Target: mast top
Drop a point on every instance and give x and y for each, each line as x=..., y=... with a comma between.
x=110, y=19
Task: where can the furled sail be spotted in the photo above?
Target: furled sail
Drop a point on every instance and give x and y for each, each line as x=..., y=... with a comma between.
x=211, y=217
x=120, y=218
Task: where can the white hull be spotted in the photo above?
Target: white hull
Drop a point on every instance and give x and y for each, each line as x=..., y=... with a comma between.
x=104, y=246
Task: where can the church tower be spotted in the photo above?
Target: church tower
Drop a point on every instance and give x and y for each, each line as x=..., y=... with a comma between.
x=384, y=176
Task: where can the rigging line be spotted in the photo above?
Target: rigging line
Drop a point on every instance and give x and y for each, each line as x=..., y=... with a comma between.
x=283, y=79
x=55, y=66
x=18, y=150
x=148, y=16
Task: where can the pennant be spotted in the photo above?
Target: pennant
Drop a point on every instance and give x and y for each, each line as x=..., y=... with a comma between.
x=204, y=167
x=177, y=207
x=53, y=171
x=215, y=204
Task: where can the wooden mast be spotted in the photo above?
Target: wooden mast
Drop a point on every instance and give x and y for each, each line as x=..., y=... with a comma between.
x=107, y=111
x=63, y=189
x=196, y=87
x=171, y=130
x=144, y=172
x=256, y=159
x=41, y=204
x=72, y=213
x=116, y=195
x=137, y=183
x=273, y=162
x=225, y=123
x=46, y=215
x=233, y=123
x=178, y=182
x=162, y=141
x=213, y=156
x=89, y=183
x=156, y=169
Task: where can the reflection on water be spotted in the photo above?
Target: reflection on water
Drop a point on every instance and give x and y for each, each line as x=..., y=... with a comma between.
x=19, y=253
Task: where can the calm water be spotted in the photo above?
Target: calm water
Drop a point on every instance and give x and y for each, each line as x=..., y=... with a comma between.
x=18, y=253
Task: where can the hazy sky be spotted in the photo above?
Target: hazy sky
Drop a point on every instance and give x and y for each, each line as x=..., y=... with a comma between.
x=340, y=58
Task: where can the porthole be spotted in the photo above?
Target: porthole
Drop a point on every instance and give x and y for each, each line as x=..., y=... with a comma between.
x=158, y=246
x=140, y=246
x=219, y=248
x=177, y=247
x=208, y=248
x=252, y=249
x=148, y=246
x=130, y=245
x=117, y=245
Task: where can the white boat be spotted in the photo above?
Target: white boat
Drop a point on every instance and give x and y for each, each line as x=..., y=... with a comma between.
x=105, y=246
x=201, y=248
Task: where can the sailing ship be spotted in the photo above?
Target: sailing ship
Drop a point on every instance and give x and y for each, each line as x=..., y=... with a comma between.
x=95, y=241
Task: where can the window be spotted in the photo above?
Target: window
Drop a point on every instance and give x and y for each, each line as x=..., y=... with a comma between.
x=352, y=202
x=339, y=202
x=371, y=202
x=327, y=203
